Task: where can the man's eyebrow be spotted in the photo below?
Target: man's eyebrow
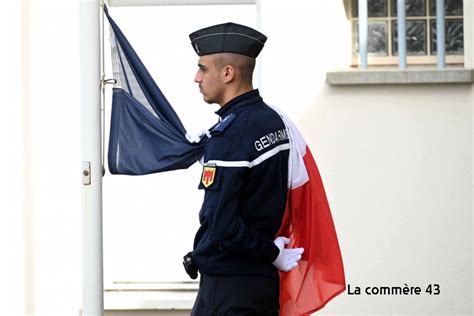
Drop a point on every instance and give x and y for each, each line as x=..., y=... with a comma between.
x=202, y=66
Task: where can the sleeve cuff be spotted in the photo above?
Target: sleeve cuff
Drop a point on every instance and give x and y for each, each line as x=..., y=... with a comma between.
x=275, y=251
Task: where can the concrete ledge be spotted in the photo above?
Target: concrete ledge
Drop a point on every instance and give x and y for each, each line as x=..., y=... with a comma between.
x=152, y=298
x=147, y=312
x=396, y=76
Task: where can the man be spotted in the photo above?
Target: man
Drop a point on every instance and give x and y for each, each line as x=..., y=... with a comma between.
x=245, y=179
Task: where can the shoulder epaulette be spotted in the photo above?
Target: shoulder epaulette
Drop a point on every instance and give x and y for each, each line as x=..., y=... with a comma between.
x=219, y=128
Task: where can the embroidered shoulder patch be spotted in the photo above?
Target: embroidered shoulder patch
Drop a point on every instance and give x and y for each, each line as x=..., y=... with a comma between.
x=210, y=177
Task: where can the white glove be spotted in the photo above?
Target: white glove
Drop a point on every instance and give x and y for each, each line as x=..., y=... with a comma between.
x=196, y=137
x=288, y=258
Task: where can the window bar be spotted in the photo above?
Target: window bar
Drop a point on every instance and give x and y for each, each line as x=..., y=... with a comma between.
x=402, y=35
x=363, y=28
x=440, y=33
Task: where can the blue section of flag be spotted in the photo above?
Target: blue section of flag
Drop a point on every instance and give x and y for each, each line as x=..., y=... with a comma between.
x=142, y=142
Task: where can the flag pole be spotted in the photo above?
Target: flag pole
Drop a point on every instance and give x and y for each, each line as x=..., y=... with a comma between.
x=92, y=252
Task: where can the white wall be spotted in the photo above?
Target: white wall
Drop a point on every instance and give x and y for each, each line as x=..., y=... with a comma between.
x=396, y=162
x=41, y=112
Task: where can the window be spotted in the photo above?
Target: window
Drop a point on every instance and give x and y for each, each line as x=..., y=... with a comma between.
x=421, y=31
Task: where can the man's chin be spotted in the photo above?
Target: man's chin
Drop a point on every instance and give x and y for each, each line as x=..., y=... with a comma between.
x=208, y=101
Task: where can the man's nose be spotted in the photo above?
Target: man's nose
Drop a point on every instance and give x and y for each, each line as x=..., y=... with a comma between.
x=197, y=77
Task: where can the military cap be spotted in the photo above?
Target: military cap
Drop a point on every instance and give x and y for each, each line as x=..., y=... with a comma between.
x=228, y=38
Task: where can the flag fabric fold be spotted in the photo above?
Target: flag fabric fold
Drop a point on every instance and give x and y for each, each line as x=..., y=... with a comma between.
x=146, y=136
x=319, y=276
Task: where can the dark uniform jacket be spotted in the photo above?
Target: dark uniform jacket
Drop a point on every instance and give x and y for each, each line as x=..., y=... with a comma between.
x=245, y=178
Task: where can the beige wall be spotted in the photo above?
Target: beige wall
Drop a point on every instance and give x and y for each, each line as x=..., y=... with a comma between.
x=396, y=162
x=397, y=165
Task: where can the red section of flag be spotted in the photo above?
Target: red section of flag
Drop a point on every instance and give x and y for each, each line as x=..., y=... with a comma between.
x=319, y=276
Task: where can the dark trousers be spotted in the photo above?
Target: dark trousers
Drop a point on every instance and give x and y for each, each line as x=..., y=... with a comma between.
x=237, y=295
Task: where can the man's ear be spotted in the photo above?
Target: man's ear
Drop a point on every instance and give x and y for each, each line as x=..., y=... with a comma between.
x=228, y=73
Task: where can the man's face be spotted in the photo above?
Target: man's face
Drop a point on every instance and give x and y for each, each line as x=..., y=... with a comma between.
x=210, y=80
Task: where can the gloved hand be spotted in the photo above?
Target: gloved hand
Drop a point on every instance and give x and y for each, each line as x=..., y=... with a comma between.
x=196, y=137
x=288, y=258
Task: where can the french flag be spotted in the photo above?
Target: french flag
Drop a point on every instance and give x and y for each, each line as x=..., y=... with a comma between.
x=308, y=223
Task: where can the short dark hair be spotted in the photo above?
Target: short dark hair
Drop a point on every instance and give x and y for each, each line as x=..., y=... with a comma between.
x=244, y=64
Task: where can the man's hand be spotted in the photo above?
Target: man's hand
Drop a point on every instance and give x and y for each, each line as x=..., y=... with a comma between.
x=196, y=137
x=288, y=258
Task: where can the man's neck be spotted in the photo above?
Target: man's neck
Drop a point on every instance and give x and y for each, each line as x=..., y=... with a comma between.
x=233, y=93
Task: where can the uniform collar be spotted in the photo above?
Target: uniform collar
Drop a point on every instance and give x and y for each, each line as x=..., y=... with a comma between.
x=239, y=101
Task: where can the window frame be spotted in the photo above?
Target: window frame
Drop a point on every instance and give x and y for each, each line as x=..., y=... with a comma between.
x=392, y=60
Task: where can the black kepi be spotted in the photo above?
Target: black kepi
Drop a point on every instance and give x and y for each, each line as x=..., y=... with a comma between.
x=228, y=38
